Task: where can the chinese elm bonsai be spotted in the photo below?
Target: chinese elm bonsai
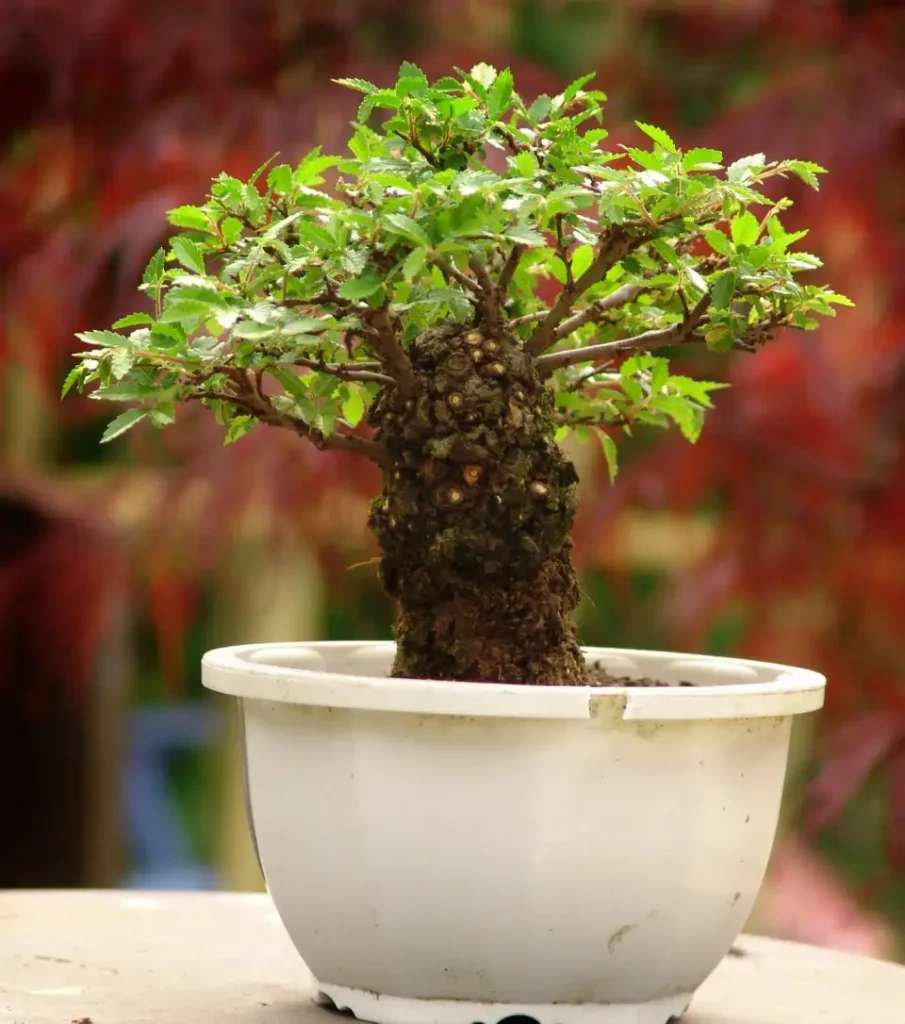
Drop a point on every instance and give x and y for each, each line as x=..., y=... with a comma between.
x=404, y=297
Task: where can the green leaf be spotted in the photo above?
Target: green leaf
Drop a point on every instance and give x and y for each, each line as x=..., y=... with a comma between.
x=126, y=391
x=121, y=363
x=310, y=169
x=231, y=229
x=838, y=299
x=659, y=136
x=252, y=330
x=688, y=417
x=125, y=421
x=106, y=339
x=408, y=228
x=238, y=427
x=304, y=325
x=500, y=95
x=154, y=271
x=409, y=70
x=414, y=263
x=188, y=253
x=486, y=74
x=162, y=415
x=356, y=288
x=610, y=453
x=72, y=378
x=659, y=374
x=582, y=258
x=199, y=292
x=741, y=170
x=292, y=383
x=191, y=217
x=356, y=83
x=524, y=235
x=720, y=243
x=250, y=187
x=168, y=331
x=745, y=229
x=228, y=190
x=280, y=178
x=540, y=108
x=723, y=289
x=409, y=87
x=712, y=158
x=526, y=164
x=667, y=252
x=189, y=309
x=720, y=339
x=696, y=279
x=133, y=320
x=699, y=390
x=575, y=87
x=353, y=407
x=652, y=161
x=805, y=170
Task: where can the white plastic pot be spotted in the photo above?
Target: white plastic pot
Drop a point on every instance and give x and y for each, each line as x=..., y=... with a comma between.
x=451, y=853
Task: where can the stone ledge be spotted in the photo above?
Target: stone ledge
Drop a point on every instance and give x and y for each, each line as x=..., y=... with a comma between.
x=120, y=957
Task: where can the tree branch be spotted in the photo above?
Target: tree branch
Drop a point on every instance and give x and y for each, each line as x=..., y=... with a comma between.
x=586, y=375
x=376, y=328
x=622, y=296
x=389, y=350
x=430, y=157
x=254, y=403
x=615, y=245
x=562, y=251
x=349, y=371
x=509, y=269
x=675, y=334
x=452, y=271
x=562, y=419
x=529, y=318
x=514, y=145
x=490, y=297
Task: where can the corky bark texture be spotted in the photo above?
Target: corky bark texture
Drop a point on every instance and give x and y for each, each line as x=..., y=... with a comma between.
x=474, y=517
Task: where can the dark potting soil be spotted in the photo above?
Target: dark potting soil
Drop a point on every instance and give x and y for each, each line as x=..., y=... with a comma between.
x=601, y=677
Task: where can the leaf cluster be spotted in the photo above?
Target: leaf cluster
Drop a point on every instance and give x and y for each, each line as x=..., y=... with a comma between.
x=291, y=298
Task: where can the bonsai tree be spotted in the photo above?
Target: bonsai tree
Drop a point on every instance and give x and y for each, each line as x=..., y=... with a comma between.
x=399, y=314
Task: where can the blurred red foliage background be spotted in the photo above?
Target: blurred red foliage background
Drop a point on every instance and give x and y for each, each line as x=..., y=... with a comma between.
x=116, y=111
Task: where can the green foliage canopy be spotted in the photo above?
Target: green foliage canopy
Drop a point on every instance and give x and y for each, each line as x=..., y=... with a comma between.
x=291, y=298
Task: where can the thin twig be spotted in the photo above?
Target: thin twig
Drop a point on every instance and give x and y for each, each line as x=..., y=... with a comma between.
x=351, y=371
x=586, y=375
x=254, y=403
x=562, y=252
x=528, y=318
x=452, y=271
x=514, y=145
x=675, y=334
x=595, y=311
x=562, y=419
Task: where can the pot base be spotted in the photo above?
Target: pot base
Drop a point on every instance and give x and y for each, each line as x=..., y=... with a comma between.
x=378, y=1009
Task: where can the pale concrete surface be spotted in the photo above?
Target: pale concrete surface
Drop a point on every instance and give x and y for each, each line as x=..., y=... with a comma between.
x=135, y=958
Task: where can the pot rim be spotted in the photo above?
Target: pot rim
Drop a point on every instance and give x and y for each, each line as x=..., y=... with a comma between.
x=322, y=674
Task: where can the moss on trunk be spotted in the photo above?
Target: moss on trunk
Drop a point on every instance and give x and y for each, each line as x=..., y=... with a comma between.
x=474, y=517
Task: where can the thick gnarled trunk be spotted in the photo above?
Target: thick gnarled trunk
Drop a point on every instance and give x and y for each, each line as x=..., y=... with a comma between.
x=474, y=517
